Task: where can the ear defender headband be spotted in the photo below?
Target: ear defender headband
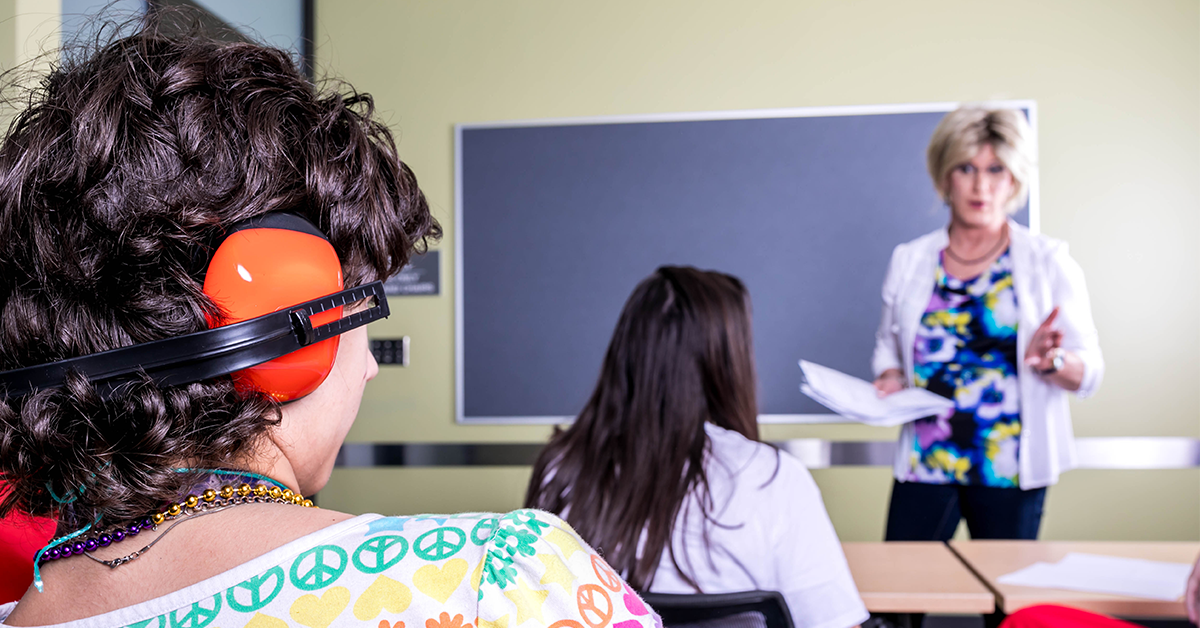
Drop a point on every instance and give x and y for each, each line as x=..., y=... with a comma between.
x=278, y=284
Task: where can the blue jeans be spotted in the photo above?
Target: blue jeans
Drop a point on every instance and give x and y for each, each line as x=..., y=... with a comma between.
x=930, y=512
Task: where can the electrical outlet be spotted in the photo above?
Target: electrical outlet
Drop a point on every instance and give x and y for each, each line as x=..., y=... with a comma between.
x=391, y=350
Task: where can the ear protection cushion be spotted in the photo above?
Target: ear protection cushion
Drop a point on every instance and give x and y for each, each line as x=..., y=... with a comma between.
x=260, y=270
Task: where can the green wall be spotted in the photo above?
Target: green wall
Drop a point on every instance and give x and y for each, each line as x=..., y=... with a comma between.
x=29, y=37
x=1118, y=90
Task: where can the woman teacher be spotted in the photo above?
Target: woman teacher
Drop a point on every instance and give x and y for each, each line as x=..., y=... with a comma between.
x=997, y=318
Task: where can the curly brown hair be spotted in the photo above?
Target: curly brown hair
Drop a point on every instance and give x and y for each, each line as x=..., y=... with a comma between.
x=116, y=182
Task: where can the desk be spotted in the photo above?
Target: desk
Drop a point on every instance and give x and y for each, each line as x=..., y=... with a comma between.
x=992, y=559
x=925, y=577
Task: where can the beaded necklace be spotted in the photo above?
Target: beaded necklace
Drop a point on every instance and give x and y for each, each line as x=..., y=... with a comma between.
x=215, y=493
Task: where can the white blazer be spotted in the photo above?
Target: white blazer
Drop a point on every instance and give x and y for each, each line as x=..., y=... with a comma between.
x=1044, y=275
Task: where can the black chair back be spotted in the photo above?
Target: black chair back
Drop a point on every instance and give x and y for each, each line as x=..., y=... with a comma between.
x=745, y=609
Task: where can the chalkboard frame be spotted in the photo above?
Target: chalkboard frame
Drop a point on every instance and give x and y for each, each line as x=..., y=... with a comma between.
x=1028, y=106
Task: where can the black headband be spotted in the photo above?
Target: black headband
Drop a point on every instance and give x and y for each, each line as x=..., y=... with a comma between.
x=206, y=354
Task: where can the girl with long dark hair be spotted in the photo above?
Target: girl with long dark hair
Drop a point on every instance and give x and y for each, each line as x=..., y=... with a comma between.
x=663, y=471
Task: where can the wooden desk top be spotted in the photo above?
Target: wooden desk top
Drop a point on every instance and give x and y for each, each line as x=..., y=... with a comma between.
x=992, y=559
x=902, y=577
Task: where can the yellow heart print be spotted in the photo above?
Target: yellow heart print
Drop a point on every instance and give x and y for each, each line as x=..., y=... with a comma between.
x=440, y=584
x=319, y=613
x=265, y=621
x=384, y=593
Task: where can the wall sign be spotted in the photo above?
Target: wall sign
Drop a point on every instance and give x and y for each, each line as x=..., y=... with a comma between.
x=420, y=277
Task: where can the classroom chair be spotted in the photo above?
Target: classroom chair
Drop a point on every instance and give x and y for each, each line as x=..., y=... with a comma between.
x=745, y=609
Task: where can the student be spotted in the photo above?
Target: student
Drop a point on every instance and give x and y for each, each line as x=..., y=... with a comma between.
x=167, y=186
x=663, y=471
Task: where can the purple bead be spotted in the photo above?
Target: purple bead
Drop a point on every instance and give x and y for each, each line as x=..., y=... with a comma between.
x=118, y=535
x=134, y=529
x=104, y=540
x=91, y=545
x=78, y=548
x=146, y=523
x=52, y=554
x=64, y=551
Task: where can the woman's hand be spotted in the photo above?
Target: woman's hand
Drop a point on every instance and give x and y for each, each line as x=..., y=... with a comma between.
x=888, y=382
x=1044, y=347
x=1044, y=344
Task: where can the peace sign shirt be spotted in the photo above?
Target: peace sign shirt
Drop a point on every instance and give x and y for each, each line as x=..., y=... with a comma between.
x=524, y=569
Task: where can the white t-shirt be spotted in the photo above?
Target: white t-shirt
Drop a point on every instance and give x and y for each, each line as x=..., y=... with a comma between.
x=771, y=533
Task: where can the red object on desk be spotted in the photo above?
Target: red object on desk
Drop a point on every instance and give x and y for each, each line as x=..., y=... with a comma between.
x=20, y=537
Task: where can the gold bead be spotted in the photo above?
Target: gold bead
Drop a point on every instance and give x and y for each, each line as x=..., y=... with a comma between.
x=226, y=492
x=244, y=490
x=191, y=502
x=260, y=490
x=308, y=503
x=209, y=494
x=297, y=499
x=276, y=493
x=158, y=518
x=174, y=510
x=287, y=494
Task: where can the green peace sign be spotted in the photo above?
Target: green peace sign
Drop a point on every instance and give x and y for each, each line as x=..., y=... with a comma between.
x=484, y=530
x=378, y=547
x=322, y=573
x=254, y=587
x=441, y=547
x=198, y=616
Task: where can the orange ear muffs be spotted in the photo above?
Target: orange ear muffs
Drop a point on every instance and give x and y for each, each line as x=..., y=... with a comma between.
x=278, y=285
x=267, y=265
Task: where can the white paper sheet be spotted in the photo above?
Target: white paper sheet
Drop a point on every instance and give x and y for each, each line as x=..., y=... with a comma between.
x=1134, y=577
x=857, y=399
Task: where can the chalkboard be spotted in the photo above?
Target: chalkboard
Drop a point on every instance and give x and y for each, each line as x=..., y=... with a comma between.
x=557, y=221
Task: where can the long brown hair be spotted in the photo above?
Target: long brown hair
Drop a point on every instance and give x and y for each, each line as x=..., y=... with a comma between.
x=681, y=355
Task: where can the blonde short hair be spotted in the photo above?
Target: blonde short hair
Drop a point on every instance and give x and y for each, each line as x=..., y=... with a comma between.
x=962, y=132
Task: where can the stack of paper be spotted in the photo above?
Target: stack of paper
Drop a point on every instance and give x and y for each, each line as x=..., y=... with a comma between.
x=856, y=399
x=1106, y=574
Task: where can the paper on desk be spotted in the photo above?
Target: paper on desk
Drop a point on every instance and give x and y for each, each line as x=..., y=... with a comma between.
x=1134, y=577
x=857, y=399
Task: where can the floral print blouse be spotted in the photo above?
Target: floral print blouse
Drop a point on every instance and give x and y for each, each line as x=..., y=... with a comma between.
x=966, y=350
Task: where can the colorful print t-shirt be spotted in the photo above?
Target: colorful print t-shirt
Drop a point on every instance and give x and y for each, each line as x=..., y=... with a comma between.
x=524, y=569
x=966, y=350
